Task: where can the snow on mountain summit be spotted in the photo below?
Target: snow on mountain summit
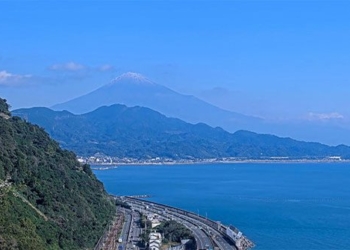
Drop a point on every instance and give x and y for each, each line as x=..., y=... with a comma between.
x=133, y=78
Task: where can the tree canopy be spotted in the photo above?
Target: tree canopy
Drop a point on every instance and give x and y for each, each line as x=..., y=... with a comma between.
x=48, y=200
x=142, y=133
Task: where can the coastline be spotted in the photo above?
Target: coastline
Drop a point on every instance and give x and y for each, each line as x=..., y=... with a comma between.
x=184, y=162
x=272, y=204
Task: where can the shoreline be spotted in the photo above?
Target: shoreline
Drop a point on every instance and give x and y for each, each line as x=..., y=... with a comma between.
x=301, y=161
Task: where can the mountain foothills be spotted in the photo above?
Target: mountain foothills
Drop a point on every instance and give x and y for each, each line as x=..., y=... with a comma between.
x=142, y=133
x=133, y=89
x=48, y=200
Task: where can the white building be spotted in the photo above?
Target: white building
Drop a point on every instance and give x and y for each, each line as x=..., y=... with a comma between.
x=155, y=241
x=154, y=219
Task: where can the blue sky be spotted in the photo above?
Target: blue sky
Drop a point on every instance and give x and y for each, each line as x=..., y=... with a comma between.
x=274, y=59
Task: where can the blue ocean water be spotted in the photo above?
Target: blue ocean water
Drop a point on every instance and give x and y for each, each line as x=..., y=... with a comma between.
x=278, y=206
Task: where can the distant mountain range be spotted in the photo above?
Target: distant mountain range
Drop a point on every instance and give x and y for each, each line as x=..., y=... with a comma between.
x=133, y=89
x=142, y=133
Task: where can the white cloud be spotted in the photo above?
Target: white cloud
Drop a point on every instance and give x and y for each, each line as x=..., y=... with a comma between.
x=7, y=78
x=324, y=116
x=79, y=68
x=105, y=67
x=69, y=66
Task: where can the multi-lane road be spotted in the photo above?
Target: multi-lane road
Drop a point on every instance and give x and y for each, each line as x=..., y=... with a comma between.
x=208, y=234
x=131, y=231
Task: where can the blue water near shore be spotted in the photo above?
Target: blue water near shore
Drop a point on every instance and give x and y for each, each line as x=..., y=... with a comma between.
x=278, y=206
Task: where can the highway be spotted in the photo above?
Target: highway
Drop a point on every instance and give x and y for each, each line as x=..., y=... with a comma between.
x=207, y=233
x=135, y=231
x=130, y=235
x=202, y=240
x=124, y=236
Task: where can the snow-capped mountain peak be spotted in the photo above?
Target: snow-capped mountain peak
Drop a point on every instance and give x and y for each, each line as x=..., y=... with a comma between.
x=132, y=78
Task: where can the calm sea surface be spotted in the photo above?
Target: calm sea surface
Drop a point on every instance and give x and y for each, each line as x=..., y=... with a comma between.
x=278, y=206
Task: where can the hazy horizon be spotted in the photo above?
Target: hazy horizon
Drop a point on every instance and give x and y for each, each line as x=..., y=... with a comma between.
x=280, y=61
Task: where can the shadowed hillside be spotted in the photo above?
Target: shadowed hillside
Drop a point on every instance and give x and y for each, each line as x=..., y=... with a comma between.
x=142, y=133
x=47, y=199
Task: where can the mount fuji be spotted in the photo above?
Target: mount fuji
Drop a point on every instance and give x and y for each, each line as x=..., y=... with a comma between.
x=133, y=89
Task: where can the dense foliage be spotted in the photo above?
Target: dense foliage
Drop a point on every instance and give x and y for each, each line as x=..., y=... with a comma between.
x=4, y=107
x=142, y=133
x=122, y=204
x=47, y=199
x=174, y=231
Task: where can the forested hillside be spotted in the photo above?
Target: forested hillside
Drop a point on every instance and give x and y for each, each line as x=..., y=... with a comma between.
x=142, y=133
x=47, y=199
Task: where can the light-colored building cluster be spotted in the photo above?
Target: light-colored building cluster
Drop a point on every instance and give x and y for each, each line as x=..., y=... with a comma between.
x=155, y=241
x=154, y=219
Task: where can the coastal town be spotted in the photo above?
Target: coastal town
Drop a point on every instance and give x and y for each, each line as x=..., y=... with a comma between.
x=100, y=159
